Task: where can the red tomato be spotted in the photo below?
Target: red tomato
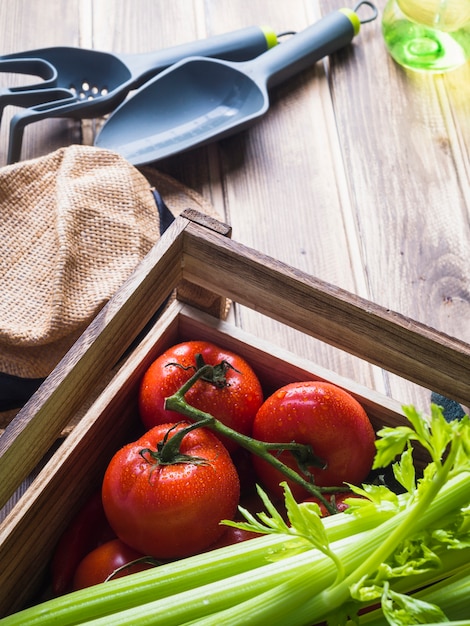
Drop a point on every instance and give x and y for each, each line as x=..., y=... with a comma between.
x=170, y=510
x=235, y=403
x=233, y=535
x=100, y=564
x=324, y=416
x=243, y=462
x=87, y=530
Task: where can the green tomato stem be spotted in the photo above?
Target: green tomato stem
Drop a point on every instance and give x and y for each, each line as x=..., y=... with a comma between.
x=168, y=450
x=178, y=403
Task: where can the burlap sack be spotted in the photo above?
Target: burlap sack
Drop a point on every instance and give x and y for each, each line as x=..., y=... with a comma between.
x=73, y=225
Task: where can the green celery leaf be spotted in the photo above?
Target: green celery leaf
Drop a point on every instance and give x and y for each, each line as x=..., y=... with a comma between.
x=366, y=590
x=276, y=521
x=404, y=470
x=391, y=443
x=305, y=520
x=270, y=522
x=402, y=610
x=462, y=430
x=442, y=431
x=427, y=478
x=380, y=496
x=413, y=557
x=420, y=423
x=465, y=524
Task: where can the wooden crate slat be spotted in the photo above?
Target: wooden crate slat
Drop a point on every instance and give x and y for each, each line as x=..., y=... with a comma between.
x=349, y=322
x=35, y=428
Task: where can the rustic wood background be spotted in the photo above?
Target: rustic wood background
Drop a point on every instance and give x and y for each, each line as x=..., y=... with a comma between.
x=359, y=174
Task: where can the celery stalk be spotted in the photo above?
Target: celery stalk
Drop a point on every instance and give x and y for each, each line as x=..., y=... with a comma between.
x=140, y=588
x=290, y=582
x=450, y=594
x=179, y=607
x=438, y=500
x=300, y=601
x=230, y=592
x=312, y=569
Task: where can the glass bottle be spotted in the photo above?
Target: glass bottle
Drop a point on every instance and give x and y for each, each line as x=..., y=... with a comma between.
x=428, y=35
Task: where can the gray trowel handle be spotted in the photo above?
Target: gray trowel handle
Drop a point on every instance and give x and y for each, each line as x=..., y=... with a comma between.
x=332, y=32
x=239, y=45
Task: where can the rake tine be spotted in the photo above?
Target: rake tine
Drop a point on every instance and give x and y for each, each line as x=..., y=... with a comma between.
x=31, y=66
x=31, y=97
x=28, y=116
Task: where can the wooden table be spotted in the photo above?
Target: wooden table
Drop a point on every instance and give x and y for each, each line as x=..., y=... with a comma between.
x=359, y=174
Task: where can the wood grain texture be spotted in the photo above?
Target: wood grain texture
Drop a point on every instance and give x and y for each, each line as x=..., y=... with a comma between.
x=358, y=326
x=41, y=420
x=198, y=254
x=28, y=25
x=282, y=188
x=404, y=141
x=358, y=175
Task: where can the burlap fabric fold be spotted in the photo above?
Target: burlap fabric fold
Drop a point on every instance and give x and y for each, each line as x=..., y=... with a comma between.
x=73, y=226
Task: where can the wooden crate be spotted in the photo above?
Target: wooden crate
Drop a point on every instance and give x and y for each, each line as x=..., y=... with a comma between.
x=95, y=385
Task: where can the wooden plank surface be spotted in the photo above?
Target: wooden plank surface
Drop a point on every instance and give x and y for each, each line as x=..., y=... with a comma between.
x=203, y=256
x=73, y=473
x=359, y=174
x=344, y=320
x=88, y=362
x=405, y=144
x=28, y=25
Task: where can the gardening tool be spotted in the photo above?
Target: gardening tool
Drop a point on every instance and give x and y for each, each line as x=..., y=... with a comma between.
x=200, y=100
x=81, y=83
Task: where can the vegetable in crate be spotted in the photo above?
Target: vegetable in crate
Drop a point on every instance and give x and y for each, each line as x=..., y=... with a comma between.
x=165, y=494
x=324, y=416
x=87, y=530
x=108, y=561
x=233, y=396
x=314, y=569
x=339, y=501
